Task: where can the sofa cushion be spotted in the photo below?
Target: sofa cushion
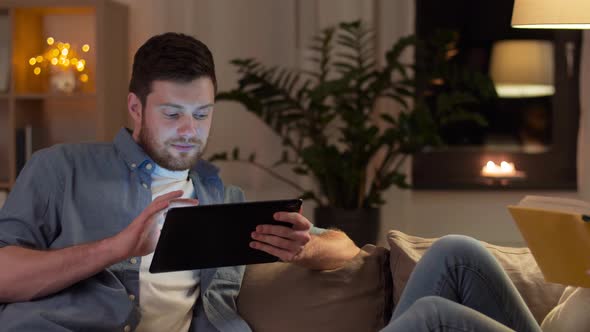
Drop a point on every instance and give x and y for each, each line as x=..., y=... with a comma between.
x=571, y=314
x=285, y=297
x=518, y=263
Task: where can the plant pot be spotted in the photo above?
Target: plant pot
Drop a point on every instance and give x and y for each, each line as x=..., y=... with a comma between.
x=361, y=225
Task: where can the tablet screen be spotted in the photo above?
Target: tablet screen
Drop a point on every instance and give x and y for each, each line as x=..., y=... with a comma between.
x=208, y=236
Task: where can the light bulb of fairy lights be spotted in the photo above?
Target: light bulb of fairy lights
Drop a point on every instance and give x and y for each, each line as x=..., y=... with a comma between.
x=62, y=55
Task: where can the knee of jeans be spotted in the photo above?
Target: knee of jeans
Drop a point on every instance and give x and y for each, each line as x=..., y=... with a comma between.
x=457, y=245
x=430, y=306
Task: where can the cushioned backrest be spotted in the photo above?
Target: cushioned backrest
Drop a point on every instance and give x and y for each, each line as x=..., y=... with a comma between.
x=285, y=297
x=519, y=264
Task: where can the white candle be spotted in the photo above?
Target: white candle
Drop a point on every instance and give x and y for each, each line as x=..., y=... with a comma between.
x=505, y=169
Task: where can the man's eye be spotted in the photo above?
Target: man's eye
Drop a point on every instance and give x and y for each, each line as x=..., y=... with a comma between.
x=200, y=116
x=171, y=115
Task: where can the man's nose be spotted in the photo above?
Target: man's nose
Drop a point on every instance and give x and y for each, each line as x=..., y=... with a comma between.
x=187, y=127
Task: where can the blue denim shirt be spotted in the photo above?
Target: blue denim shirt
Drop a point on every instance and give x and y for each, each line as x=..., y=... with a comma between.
x=77, y=193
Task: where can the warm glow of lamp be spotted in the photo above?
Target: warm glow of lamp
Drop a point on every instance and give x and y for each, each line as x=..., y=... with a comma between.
x=551, y=14
x=522, y=68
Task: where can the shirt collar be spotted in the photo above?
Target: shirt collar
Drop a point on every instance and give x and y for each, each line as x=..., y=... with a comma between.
x=135, y=157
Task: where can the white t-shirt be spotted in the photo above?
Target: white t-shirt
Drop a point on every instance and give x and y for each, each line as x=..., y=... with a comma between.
x=166, y=300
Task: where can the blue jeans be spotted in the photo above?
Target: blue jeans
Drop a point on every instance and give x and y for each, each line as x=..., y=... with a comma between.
x=459, y=286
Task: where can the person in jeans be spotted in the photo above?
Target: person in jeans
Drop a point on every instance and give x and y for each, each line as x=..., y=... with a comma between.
x=459, y=286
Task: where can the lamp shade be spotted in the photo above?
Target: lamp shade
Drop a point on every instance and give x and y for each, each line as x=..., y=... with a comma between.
x=551, y=14
x=522, y=68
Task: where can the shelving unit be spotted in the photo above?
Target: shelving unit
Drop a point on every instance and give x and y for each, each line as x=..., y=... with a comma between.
x=95, y=110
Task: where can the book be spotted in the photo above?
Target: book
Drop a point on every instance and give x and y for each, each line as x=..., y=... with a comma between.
x=5, y=56
x=557, y=231
x=24, y=146
x=3, y=195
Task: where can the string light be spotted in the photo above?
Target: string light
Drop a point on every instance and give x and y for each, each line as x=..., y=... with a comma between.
x=62, y=55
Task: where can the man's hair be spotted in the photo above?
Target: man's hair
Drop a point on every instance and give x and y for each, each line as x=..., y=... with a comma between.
x=170, y=57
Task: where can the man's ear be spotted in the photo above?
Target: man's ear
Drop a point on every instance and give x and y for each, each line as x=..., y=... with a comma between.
x=134, y=108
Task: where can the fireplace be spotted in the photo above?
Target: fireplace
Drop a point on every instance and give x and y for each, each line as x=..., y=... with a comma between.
x=536, y=133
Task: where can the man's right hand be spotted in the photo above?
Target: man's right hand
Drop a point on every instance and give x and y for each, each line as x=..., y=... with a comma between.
x=141, y=236
x=37, y=273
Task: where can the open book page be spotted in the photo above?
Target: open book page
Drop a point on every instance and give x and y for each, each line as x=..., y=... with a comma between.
x=560, y=204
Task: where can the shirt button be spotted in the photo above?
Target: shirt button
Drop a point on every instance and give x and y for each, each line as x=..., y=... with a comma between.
x=144, y=185
x=148, y=166
x=133, y=165
x=127, y=328
x=133, y=260
x=131, y=297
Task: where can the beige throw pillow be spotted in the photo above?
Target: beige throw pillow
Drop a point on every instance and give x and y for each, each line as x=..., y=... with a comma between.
x=518, y=263
x=572, y=312
x=285, y=297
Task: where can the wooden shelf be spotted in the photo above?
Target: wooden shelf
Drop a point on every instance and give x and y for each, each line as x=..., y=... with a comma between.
x=36, y=96
x=91, y=114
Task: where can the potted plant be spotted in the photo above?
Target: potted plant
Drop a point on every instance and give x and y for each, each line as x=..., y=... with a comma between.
x=332, y=128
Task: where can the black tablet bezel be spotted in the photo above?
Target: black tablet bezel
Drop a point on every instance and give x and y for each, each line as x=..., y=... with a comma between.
x=210, y=236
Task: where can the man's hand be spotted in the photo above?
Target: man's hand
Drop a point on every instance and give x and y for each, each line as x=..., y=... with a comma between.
x=280, y=241
x=141, y=236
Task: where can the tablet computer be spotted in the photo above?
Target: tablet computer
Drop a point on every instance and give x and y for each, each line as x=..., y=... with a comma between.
x=200, y=237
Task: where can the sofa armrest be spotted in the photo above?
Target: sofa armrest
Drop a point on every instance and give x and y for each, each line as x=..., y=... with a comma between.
x=285, y=297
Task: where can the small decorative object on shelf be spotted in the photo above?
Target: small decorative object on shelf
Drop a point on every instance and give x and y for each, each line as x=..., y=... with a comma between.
x=66, y=68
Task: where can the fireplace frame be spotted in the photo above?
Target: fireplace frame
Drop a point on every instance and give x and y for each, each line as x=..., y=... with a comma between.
x=456, y=167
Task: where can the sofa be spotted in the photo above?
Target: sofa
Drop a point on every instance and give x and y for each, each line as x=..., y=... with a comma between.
x=361, y=295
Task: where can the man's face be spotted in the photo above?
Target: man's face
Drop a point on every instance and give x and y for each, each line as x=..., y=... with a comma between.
x=174, y=125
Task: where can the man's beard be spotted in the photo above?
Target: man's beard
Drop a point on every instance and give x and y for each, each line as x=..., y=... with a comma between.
x=163, y=157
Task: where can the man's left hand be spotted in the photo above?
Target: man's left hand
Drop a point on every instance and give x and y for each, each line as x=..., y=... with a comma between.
x=280, y=241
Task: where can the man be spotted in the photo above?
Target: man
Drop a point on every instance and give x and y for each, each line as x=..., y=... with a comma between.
x=78, y=229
